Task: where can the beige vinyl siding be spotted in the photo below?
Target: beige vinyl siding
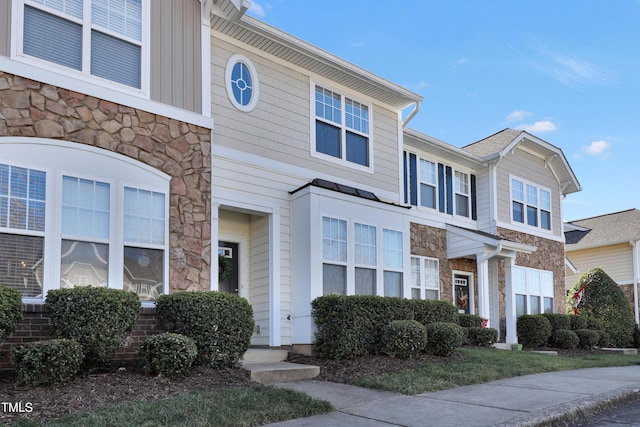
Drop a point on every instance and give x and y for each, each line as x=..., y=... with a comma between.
x=262, y=185
x=530, y=168
x=176, y=63
x=5, y=27
x=279, y=127
x=615, y=260
x=483, y=200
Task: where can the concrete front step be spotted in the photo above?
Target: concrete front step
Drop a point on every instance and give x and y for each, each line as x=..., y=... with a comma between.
x=278, y=372
x=264, y=355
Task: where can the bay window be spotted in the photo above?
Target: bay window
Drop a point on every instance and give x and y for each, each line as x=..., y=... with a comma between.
x=98, y=229
x=425, y=278
x=534, y=290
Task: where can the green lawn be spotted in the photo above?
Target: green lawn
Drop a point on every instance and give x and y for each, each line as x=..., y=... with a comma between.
x=484, y=365
x=252, y=406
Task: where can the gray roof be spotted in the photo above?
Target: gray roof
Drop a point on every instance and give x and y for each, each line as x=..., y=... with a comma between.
x=493, y=144
x=604, y=230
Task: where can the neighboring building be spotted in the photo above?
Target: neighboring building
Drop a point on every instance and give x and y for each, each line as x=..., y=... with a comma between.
x=610, y=242
x=112, y=174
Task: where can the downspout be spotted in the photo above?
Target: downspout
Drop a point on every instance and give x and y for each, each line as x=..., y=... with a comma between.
x=636, y=274
x=412, y=114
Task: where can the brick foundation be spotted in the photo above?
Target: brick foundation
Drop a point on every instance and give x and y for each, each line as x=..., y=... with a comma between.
x=36, y=325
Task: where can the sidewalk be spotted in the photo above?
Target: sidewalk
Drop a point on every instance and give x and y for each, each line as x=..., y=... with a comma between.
x=542, y=399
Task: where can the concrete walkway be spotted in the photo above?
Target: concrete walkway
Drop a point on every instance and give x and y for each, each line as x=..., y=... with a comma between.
x=542, y=399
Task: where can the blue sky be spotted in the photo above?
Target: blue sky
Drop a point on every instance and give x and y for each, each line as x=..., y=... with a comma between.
x=567, y=71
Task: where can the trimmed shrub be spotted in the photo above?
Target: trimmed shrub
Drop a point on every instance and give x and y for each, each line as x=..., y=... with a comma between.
x=605, y=339
x=578, y=322
x=636, y=337
x=534, y=330
x=168, y=354
x=404, y=338
x=432, y=311
x=443, y=338
x=564, y=338
x=558, y=321
x=351, y=326
x=10, y=312
x=220, y=323
x=484, y=337
x=99, y=319
x=469, y=320
x=605, y=300
x=47, y=362
x=587, y=337
x=595, y=324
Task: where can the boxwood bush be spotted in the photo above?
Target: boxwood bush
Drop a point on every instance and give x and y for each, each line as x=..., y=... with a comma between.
x=220, y=323
x=534, y=330
x=578, y=321
x=558, y=320
x=564, y=338
x=443, y=338
x=10, y=312
x=484, y=337
x=469, y=320
x=431, y=311
x=168, y=354
x=588, y=338
x=404, y=338
x=47, y=362
x=99, y=319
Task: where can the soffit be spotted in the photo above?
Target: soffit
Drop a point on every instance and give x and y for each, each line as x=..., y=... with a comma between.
x=275, y=42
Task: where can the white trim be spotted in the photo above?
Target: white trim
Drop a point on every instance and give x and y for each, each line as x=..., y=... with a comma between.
x=123, y=96
x=255, y=95
x=525, y=204
x=205, y=41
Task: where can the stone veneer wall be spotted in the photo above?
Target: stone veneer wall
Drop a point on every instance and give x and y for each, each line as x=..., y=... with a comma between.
x=32, y=109
x=432, y=242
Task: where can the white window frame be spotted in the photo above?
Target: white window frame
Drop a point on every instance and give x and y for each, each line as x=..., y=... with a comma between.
x=342, y=126
x=459, y=190
x=527, y=197
x=543, y=289
x=433, y=184
x=116, y=170
x=350, y=264
x=422, y=276
x=84, y=74
x=233, y=60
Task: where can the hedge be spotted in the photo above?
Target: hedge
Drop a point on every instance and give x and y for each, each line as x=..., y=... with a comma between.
x=443, y=338
x=469, y=320
x=534, y=330
x=10, y=312
x=558, y=320
x=484, y=337
x=47, y=362
x=220, y=323
x=404, y=338
x=564, y=338
x=168, y=354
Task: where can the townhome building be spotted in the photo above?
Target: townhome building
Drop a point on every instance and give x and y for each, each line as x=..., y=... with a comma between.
x=311, y=182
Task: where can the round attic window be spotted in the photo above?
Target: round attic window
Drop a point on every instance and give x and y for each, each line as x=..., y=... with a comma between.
x=242, y=83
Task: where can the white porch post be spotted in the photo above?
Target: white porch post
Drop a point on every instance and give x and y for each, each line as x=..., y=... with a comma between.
x=510, y=301
x=215, y=209
x=483, y=289
x=274, y=279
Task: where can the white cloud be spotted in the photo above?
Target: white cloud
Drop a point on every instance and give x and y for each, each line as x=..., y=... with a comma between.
x=597, y=148
x=257, y=9
x=358, y=44
x=518, y=116
x=540, y=126
x=570, y=70
x=421, y=85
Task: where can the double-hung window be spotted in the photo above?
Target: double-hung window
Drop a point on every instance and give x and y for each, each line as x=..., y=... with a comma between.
x=103, y=38
x=462, y=193
x=366, y=259
x=334, y=255
x=392, y=263
x=530, y=204
x=534, y=291
x=342, y=127
x=428, y=184
x=425, y=278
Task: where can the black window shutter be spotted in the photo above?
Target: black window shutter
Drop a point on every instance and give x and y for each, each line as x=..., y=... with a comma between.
x=474, y=202
x=413, y=175
x=449, y=172
x=441, y=190
x=406, y=173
